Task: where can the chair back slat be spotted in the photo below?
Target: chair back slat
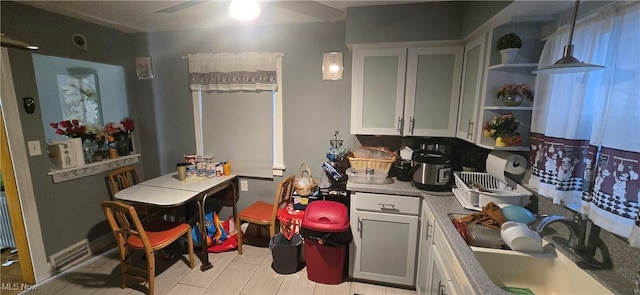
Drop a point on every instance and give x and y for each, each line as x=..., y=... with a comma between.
x=122, y=178
x=124, y=222
x=283, y=195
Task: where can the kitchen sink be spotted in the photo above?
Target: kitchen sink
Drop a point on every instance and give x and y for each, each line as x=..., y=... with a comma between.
x=550, y=272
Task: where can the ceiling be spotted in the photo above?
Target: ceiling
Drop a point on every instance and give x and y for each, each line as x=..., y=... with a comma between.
x=147, y=15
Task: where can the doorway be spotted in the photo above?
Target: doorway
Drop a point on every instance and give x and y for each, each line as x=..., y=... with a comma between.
x=16, y=177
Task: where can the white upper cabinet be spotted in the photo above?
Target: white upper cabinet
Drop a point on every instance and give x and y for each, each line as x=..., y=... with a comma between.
x=474, y=56
x=433, y=91
x=377, y=94
x=426, y=105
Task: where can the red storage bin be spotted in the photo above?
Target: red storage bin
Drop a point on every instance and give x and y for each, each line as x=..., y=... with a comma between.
x=326, y=232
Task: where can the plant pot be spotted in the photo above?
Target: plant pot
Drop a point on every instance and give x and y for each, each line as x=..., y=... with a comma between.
x=509, y=55
x=512, y=99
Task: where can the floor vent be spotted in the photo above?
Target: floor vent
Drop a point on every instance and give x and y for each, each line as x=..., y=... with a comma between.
x=68, y=257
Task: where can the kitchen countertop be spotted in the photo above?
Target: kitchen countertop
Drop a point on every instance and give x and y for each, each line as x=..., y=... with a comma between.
x=442, y=205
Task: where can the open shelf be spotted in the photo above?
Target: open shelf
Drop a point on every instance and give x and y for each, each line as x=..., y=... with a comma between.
x=515, y=68
x=92, y=168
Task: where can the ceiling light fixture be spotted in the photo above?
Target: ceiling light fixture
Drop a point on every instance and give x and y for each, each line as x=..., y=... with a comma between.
x=568, y=63
x=13, y=43
x=244, y=10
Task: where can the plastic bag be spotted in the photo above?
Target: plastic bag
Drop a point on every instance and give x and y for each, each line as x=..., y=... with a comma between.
x=305, y=185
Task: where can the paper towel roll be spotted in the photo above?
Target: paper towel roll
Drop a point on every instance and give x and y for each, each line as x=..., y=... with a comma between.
x=499, y=162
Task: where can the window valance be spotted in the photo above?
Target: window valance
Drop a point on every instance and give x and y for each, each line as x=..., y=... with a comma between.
x=247, y=71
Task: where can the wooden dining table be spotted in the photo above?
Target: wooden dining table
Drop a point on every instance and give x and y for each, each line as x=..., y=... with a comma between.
x=168, y=191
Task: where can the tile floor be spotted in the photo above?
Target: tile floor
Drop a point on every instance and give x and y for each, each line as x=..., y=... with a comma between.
x=250, y=273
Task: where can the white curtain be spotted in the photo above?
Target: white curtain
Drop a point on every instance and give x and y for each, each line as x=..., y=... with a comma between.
x=247, y=71
x=585, y=144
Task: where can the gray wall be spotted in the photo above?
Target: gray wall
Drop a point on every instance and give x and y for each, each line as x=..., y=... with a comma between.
x=404, y=23
x=68, y=211
x=432, y=21
x=313, y=109
x=476, y=13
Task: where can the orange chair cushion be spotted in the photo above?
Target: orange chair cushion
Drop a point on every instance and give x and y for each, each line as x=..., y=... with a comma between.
x=160, y=232
x=258, y=211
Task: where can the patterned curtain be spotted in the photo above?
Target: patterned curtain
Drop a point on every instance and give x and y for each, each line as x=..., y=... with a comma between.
x=585, y=146
x=250, y=71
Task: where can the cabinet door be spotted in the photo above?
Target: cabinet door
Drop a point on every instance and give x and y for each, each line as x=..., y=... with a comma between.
x=377, y=92
x=384, y=247
x=433, y=91
x=474, y=56
x=427, y=222
x=440, y=284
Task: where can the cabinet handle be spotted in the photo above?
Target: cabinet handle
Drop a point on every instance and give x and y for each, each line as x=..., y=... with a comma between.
x=442, y=289
x=413, y=124
x=359, y=228
x=470, y=128
x=384, y=206
x=400, y=125
x=426, y=231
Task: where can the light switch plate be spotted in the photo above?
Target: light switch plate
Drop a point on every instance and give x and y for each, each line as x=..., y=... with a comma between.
x=34, y=148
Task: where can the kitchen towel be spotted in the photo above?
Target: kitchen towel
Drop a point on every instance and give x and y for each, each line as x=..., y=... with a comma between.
x=501, y=163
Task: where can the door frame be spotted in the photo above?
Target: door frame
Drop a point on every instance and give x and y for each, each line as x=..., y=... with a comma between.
x=19, y=186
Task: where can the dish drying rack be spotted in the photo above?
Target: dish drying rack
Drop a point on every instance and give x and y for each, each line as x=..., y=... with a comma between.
x=476, y=189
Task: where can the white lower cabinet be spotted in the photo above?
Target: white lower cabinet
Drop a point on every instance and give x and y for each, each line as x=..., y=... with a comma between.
x=438, y=270
x=385, y=230
x=427, y=223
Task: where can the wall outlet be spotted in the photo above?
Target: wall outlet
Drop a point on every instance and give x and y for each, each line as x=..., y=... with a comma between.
x=34, y=148
x=244, y=186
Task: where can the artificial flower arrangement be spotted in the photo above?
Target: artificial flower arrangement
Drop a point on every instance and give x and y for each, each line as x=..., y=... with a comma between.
x=125, y=125
x=96, y=132
x=73, y=129
x=522, y=89
x=504, y=129
x=69, y=128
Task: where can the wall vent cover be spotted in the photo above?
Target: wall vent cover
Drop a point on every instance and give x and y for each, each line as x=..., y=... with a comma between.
x=69, y=256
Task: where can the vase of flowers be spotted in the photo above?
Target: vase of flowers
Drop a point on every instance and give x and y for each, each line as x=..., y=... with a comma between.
x=121, y=132
x=504, y=129
x=514, y=94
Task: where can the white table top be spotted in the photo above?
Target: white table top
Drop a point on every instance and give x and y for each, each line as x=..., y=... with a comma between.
x=167, y=190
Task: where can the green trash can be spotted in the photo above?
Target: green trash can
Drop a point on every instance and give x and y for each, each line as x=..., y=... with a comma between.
x=285, y=253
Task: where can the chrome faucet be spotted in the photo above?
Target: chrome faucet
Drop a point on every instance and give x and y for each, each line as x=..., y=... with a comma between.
x=577, y=228
x=582, y=249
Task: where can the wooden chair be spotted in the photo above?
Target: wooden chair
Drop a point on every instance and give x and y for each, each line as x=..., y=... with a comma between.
x=262, y=213
x=132, y=236
x=125, y=177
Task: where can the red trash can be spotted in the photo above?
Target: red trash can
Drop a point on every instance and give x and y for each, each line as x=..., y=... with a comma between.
x=326, y=232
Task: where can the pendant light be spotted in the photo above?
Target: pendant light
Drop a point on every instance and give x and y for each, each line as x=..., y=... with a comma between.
x=568, y=63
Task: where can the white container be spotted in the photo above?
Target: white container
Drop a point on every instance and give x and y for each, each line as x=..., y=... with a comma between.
x=360, y=176
x=519, y=237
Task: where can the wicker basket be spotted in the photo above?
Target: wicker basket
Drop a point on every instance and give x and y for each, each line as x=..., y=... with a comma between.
x=305, y=185
x=379, y=164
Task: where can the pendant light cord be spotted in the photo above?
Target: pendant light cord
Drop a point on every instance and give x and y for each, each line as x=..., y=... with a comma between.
x=573, y=22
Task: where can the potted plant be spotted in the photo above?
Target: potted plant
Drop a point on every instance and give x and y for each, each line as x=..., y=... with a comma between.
x=473, y=159
x=504, y=129
x=514, y=94
x=508, y=45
